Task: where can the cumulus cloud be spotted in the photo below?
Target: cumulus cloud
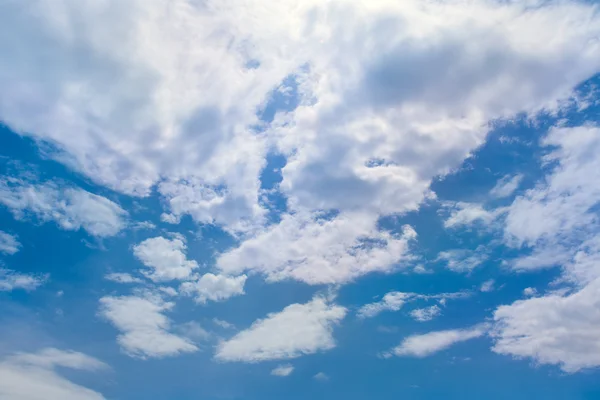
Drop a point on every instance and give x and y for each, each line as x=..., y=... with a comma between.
x=426, y=314
x=465, y=214
x=432, y=342
x=297, y=330
x=463, y=260
x=392, y=301
x=506, y=186
x=8, y=243
x=11, y=280
x=223, y=324
x=71, y=208
x=214, y=287
x=122, y=277
x=487, y=286
x=318, y=250
x=283, y=370
x=553, y=329
x=165, y=258
x=33, y=376
x=145, y=330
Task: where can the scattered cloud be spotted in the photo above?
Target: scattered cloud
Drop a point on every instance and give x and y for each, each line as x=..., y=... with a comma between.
x=214, y=287
x=11, y=280
x=165, y=258
x=122, y=277
x=145, y=330
x=9, y=243
x=71, y=208
x=466, y=214
x=506, y=186
x=426, y=314
x=433, y=342
x=33, y=376
x=321, y=376
x=529, y=291
x=392, y=301
x=297, y=330
x=283, y=370
x=463, y=260
x=487, y=286
x=223, y=324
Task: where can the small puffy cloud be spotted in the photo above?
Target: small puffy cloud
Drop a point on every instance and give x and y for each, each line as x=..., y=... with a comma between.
x=420, y=269
x=71, y=208
x=166, y=259
x=426, y=314
x=122, y=277
x=487, y=286
x=214, y=287
x=297, y=330
x=283, y=370
x=33, y=376
x=506, y=186
x=318, y=250
x=553, y=329
x=392, y=301
x=11, y=280
x=223, y=324
x=465, y=214
x=193, y=331
x=432, y=342
x=321, y=376
x=529, y=291
x=145, y=330
x=463, y=260
x=8, y=243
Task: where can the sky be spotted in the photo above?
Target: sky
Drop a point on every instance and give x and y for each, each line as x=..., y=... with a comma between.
x=334, y=199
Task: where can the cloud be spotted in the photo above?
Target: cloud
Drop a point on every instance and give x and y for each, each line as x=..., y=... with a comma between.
x=462, y=260
x=553, y=329
x=71, y=208
x=122, y=277
x=392, y=301
x=321, y=376
x=318, y=250
x=9, y=243
x=214, y=287
x=506, y=186
x=11, y=280
x=145, y=330
x=223, y=324
x=165, y=258
x=487, y=286
x=297, y=330
x=465, y=214
x=33, y=376
x=426, y=314
x=529, y=291
x=432, y=342
x=193, y=331
x=283, y=370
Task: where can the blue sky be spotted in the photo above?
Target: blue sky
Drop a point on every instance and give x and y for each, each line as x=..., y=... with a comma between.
x=240, y=200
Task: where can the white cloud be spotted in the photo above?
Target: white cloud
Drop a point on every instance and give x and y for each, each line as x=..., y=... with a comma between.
x=223, y=324
x=552, y=329
x=432, y=342
x=32, y=376
x=426, y=314
x=214, y=287
x=506, y=186
x=297, y=330
x=393, y=94
x=166, y=258
x=122, y=277
x=321, y=376
x=392, y=301
x=11, y=280
x=8, y=243
x=318, y=250
x=145, y=330
x=283, y=370
x=465, y=214
x=529, y=291
x=487, y=286
x=72, y=209
x=193, y=331
x=462, y=260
